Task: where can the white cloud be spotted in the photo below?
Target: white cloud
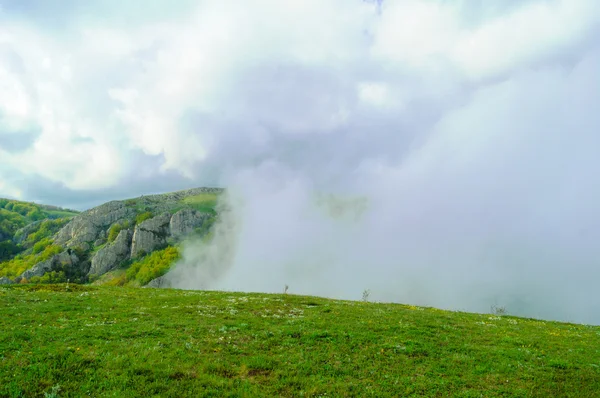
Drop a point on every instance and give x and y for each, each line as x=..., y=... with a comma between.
x=128, y=87
x=428, y=34
x=8, y=191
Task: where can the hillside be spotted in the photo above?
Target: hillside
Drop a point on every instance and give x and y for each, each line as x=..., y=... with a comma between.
x=23, y=224
x=77, y=340
x=120, y=242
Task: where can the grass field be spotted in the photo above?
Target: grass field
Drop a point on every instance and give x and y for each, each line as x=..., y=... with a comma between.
x=205, y=202
x=73, y=341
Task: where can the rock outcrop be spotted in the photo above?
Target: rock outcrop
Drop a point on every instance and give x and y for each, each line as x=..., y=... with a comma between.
x=5, y=281
x=112, y=254
x=62, y=260
x=150, y=235
x=174, y=219
x=160, y=282
x=22, y=233
x=185, y=221
x=90, y=225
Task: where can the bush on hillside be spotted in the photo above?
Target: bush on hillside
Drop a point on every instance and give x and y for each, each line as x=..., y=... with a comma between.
x=143, y=217
x=114, y=230
x=152, y=266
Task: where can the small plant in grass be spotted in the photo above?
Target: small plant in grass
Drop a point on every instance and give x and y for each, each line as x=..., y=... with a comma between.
x=365, y=295
x=499, y=310
x=53, y=392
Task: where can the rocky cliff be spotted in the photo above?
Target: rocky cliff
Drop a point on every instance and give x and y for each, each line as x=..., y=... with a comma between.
x=102, y=239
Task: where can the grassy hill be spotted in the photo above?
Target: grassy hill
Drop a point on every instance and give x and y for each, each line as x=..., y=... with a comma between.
x=29, y=235
x=24, y=224
x=75, y=340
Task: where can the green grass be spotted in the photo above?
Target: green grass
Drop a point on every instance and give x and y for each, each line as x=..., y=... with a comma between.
x=20, y=263
x=204, y=202
x=127, y=342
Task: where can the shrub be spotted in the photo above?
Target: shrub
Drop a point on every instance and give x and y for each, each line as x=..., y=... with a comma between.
x=143, y=217
x=20, y=264
x=8, y=249
x=41, y=245
x=152, y=266
x=118, y=280
x=114, y=230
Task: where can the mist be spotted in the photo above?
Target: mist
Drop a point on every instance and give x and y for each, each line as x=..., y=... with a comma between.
x=435, y=153
x=495, y=205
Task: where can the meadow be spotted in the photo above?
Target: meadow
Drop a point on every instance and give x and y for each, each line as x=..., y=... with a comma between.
x=71, y=340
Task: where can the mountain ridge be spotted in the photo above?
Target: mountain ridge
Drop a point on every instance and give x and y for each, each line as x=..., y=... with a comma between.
x=84, y=246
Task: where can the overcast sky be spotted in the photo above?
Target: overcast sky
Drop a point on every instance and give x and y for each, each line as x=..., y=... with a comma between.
x=111, y=99
x=471, y=126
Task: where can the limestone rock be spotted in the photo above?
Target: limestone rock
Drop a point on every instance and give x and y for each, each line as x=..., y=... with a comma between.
x=64, y=259
x=38, y=270
x=160, y=282
x=92, y=224
x=112, y=255
x=21, y=234
x=101, y=239
x=150, y=235
x=185, y=221
x=5, y=281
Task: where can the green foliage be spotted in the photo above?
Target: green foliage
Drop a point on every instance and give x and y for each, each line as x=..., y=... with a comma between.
x=15, y=215
x=114, y=230
x=10, y=222
x=143, y=217
x=152, y=266
x=8, y=249
x=204, y=202
x=41, y=245
x=118, y=279
x=20, y=263
x=50, y=277
x=36, y=215
x=120, y=341
x=45, y=230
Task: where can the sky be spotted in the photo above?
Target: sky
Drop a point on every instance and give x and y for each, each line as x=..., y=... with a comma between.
x=470, y=126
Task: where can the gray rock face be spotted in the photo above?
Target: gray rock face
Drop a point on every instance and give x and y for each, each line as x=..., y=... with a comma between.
x=90, y=229
x=160, y=282
x=38, y=270
x=63, y=259
x=185, y=221
x=150, y=234
x=5, y=281
x=101, y=239
x=22, y=233
x=112, y=255
x=90, y=225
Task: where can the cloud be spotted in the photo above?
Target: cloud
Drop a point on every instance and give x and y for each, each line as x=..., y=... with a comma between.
x=496, y=205
x=435, y=35
x=470, y=131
